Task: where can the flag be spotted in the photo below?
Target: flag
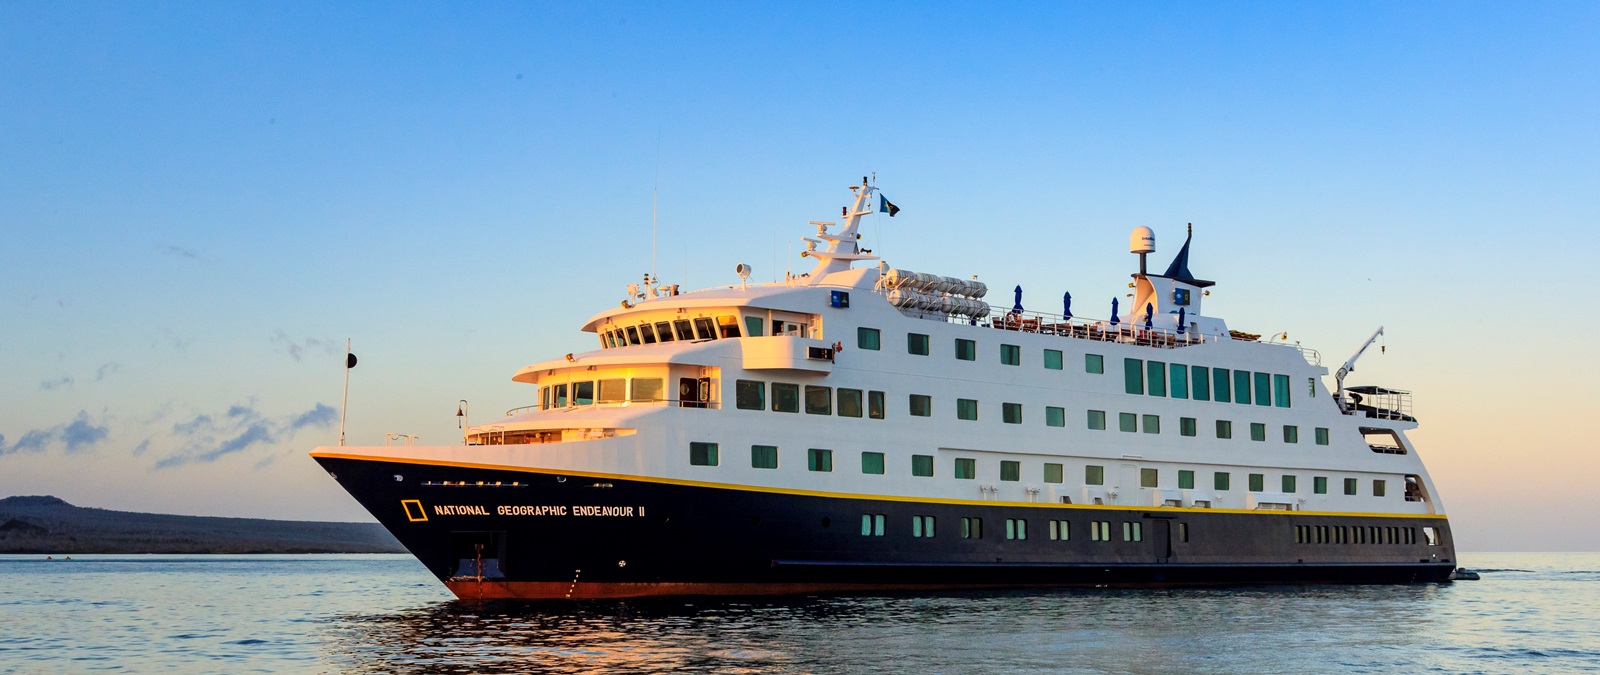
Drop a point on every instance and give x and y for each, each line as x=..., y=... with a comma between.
x=886, y=207
x=349, y=361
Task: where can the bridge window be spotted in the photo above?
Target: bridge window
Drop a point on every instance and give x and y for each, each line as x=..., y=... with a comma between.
x=648, y=333
x=752, y=326
x=633, y=335
x=647, y=389
x=582, y=393
x=729, y=326
x=613, y=390
x=704, y=328
x=684, y=329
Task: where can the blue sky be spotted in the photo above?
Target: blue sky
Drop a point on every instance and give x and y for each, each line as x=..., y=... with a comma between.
x=201, y=201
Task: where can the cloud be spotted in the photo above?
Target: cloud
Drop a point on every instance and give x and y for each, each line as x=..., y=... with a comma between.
x=207, y=438
x=298, y=349
x=79, y=434
x=107, y=369
x=57, y=383
x=143, y=447
x=181, y=252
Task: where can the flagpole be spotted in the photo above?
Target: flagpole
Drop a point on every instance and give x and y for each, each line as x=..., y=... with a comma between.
x=345, y=402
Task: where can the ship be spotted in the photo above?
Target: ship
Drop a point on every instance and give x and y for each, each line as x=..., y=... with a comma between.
x=860, y=428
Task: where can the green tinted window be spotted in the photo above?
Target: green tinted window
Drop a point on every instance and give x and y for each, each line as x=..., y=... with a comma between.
x=1258, y=482
x=849, y=402
x=922, y=465
x=875, y=405
x=1378, y=485
x=1349, y=486
x=1188, y=426
x=917, y=343
x=819, y=400
x=1288, y=484
x=1322, y=436
x=1185, y=479
x=1178, y=379
x=750, y=394
x=1319, y=485
x=1094, y=475
x=1152, y=424
x=764, y=456
x=1291, y=434
x=1241, y=387
x=785, y=397
x=819, y=460
x=1258, y=431
x=1149, y=477
x=1133, y=375
x=1263, y=389
x=872, y=462
x=752, y=326
x=1219, y=385
x=1224, y=429
x=921, y=405
x=703, y=454
x=1010, y=470
x=966, y=409
x=966, y=468
x=1094, y=363
x=1280, y=391
x=1097, y=420
x=1219, y=481
x=1010, y=355
x=868, y=338
x=1055, y=417
x=1011, y=413
x=1052, y=359
x=1052, y=473
x=966, y=350
x=1156, y=378
x=1128, y=422
x=1200, y=377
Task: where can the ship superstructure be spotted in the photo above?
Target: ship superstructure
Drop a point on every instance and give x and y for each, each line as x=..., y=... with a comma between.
x=861, y=427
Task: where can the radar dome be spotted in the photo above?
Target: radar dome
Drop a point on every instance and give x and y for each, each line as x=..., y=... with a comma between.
x=1143, y=240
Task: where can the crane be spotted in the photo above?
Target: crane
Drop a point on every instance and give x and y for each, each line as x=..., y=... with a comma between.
x=1350, y=366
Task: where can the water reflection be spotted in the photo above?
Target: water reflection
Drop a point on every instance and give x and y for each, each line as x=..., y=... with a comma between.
x=1208, y=630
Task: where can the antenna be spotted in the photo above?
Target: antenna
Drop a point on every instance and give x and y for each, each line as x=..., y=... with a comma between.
x=655, y=191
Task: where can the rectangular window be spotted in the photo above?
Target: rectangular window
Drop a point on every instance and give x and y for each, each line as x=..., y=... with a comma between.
x=1319, y=485
x=1220, y=480
x=1258, y=431
x=1132, y=531
x=1241, y=387
x=1280, y=391
x=971, y=528
x=819, y=460
x=1094, y=475
x=1010, y=470
x=1378, y=486
x=1200, y=377
x=1156, y=378
x=1055, y=417
x=613, y=391
x=849, y=402
x=1219, y=385
x=1224, y=429
x=872, y=524
x=875, y=405
x=752, y=326
x=648, y=332
x=922, y=465
x=582, y=393
x=1263, y=388
x=647, y=389
x=1258, y=482
x=1152, y=424
x=1149, y=477
x=1099, y=530
x=1011, y=413
x=729, y=326
x=785, y=397
x=1128, y=422
x=819, y=400
x=1052, y=359
x=872, y=463
x=922, y=526
x=684, y=329
x=704, y=329
x=966, y=468
x=966, y=409
x=1288, y=483
x=868, y=338
x=1178, y=377
x=966, y=350
x=1350, y=486
x=921, y=405
x=1133, y=375
x=1060, y=530
x=1291, y=434
x=1183, y=532
x=764, y=456
x=1185, y=479
x=917, y=343
x=1094, y=363
x=1188, y=426
x=1097, y=420
x=703, y=454
x=1322, y=436
x=1052, y=473
x=1016, y=528
x=1010, y=355
x=747, y=394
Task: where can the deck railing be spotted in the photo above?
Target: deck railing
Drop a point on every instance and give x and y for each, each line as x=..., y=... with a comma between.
x=682, y=403
x=1124, y=331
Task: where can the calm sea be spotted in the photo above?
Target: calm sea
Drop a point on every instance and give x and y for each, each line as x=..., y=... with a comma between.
x=1531, y=613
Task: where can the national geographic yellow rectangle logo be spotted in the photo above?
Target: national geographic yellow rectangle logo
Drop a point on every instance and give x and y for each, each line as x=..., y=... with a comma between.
x=414, y=511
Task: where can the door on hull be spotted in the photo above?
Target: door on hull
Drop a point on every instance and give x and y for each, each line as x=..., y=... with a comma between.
x=1161, y=538
x=692, y=392
x=479, y=555
x=1128, y=485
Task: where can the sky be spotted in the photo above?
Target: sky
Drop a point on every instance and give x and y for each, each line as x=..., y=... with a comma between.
x=200, y=202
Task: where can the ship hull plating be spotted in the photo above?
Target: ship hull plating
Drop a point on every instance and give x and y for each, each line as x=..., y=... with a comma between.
x=504, y=533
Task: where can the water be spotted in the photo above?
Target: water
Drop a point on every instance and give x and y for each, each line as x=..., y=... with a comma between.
x=1531, y=613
